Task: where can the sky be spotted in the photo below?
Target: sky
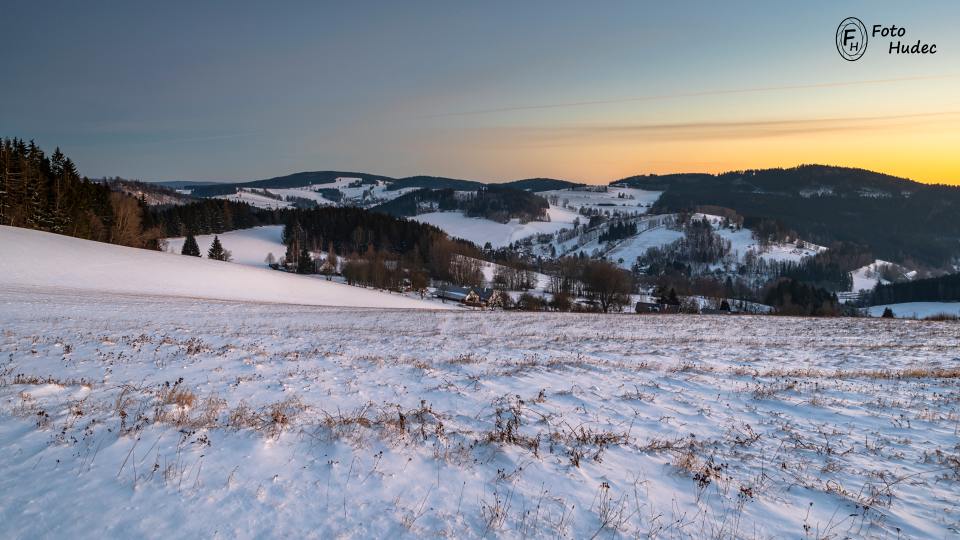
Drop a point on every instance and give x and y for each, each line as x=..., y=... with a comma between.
x=493, y=91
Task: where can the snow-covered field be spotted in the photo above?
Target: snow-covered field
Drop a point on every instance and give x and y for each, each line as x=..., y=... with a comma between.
x=918, y=310
x=637, y=245
x=362, y=195
x=865, y=278
x=615, y=198
x=255, y=199
x=126, y=416
x=246, y=246
x=480, y=230
x=742, y=241
x=43, y=260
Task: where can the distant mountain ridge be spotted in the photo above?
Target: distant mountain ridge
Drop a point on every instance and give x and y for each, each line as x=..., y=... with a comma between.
x=898, y=219
x=311, y=178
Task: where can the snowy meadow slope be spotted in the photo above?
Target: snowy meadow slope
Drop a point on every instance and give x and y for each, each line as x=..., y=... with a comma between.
x=123, y=416
x=44, y=260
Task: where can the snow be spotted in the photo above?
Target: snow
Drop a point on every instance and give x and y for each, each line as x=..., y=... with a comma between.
x=376, y=194
x=633, y=201
x=255, y=199
x=489, y=270
x=297, y=421
x=39, y=259
x=480, y=231
x=742, y=241
x=866, y=277
x=310, y=193
x=246, y=246
x=637, y=245
x=917, y=310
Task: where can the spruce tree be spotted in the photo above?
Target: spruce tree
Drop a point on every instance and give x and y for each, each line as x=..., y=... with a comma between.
x=304, y=262
x=190, y=246
x=217, y=252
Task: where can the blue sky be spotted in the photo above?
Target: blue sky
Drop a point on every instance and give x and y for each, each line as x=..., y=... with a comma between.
x=491, y=90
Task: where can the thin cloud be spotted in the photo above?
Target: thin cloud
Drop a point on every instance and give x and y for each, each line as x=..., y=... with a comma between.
x=728, y=130
x=702, y=93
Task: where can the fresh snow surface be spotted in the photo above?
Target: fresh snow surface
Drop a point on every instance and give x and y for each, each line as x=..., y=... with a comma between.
x=480, y=230
x=255, y=199
x=639, y=244
x=917, y=310
x=304, y=193
x=247, y=246
x=866, y=277
x=375, y=194
x=299, y=422
x=633, y=201
x=39, y=259
x=742, y=241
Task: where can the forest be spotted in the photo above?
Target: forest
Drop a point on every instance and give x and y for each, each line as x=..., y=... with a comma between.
x=377, y=249
x=939, y=289
x=892, y=217
x=493, y=202
x=210, y=216
x=48, y=194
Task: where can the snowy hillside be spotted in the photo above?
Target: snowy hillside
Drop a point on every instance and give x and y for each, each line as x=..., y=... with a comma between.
x=480, y=231
x=125, y=416
x=866, y=278
x=49, y=262
x=247, y=246
x=611, y=199
x=353, y=192
x=628, y=250
x=258, y=200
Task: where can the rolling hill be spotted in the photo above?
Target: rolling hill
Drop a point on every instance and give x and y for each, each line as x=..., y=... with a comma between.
x=35, y=259
x=895, y=218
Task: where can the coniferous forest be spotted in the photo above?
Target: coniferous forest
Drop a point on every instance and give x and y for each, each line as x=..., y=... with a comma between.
x=47, y=193
x=210, y=216
x=938, y=289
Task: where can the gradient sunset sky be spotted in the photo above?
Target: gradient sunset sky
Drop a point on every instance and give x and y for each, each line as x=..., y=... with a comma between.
x=586, y=91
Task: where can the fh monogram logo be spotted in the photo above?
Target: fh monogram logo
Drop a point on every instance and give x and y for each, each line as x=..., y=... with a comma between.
x=851, y=39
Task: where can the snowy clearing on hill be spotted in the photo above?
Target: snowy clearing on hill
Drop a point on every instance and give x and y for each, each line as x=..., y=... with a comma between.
x=39, y=259
x=917, y=310
x=172, y=417
x=866, y=277
x=638, y=245
x=622, y=199
x=255, y=199
x=480, y=230
x=247, y=246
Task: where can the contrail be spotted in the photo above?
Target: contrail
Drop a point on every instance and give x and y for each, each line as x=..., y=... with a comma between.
x=696, y=94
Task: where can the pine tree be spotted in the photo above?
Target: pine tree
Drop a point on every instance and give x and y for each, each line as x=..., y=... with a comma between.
x=217, y=252
x=304, y=262
x=190, y=246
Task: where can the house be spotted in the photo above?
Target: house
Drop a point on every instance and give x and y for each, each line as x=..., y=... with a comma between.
x=449, y=292
x=651, y=307
x=474, y=296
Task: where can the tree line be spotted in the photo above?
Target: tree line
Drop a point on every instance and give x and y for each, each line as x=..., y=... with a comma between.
x=492, y=202
x=210, y=216
x=48, y=194
x=939, y=289
x=377, y=249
